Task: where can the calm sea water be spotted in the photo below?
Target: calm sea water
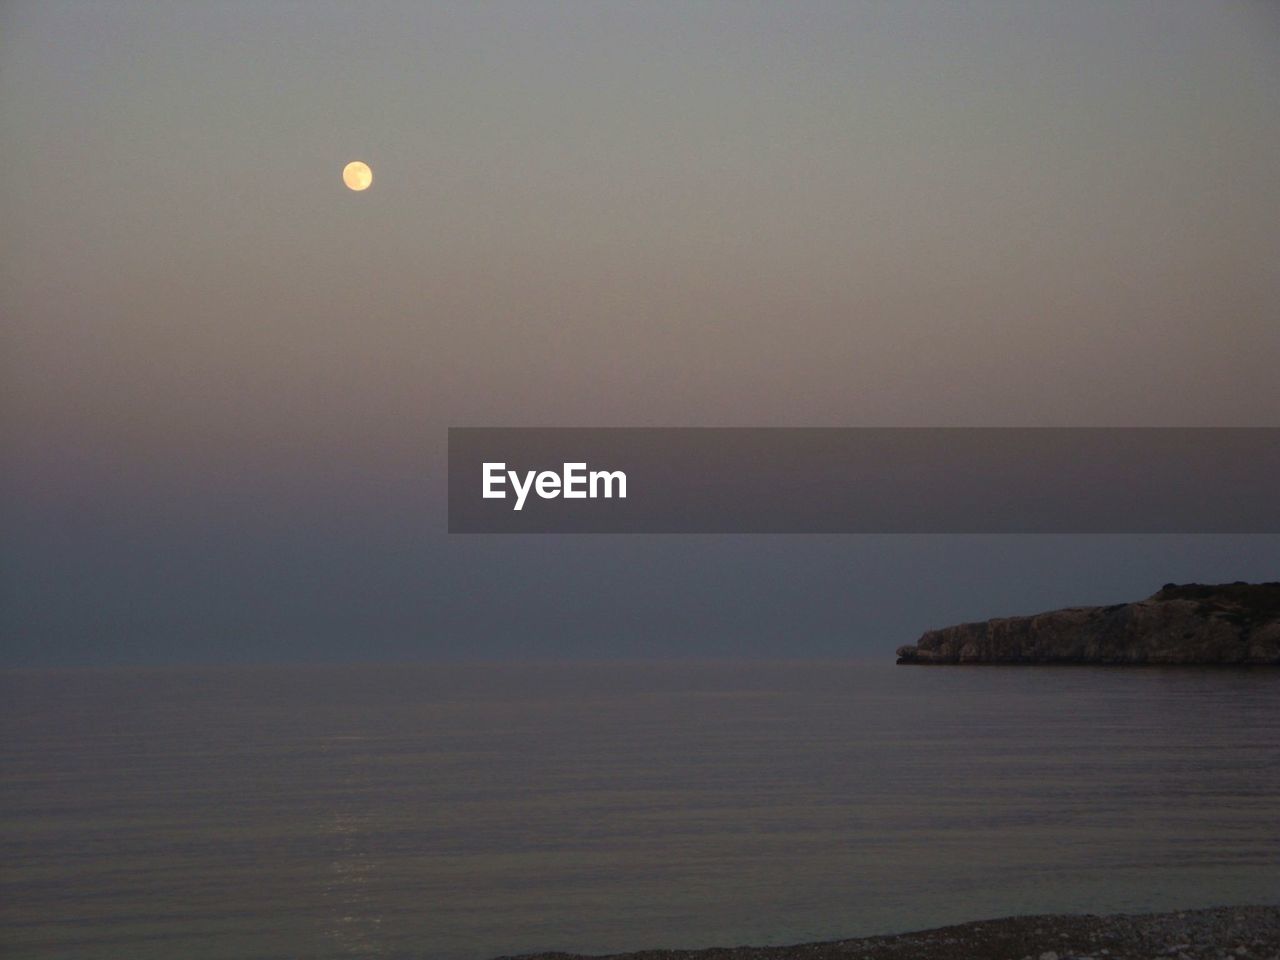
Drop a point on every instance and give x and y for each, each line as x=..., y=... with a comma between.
x=469, y=811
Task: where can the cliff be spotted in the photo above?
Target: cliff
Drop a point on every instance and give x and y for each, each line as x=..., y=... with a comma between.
x=1231, y=623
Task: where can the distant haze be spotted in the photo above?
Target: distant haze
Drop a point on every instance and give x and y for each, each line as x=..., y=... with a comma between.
x=227, y=378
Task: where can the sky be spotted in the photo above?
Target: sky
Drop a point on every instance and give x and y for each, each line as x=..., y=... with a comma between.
x=227, y=379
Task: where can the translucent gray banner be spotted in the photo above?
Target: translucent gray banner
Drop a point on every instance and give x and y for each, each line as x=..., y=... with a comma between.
x=864, y=480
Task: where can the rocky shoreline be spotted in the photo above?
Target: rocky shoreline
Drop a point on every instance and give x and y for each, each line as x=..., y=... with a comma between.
x=1220, y=933
x=1230, y=624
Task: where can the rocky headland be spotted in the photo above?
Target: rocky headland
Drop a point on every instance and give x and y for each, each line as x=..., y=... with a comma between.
x=1222, y=933
x=1192, y=623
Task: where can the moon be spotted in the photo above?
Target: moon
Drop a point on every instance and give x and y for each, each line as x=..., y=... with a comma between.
x=357, y=175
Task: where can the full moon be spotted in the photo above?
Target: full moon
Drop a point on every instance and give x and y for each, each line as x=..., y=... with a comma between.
x=357, y=175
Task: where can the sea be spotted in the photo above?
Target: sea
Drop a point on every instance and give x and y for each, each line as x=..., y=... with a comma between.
x=467, y=811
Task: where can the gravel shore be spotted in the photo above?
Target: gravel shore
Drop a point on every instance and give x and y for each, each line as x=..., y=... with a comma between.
x=1219, y=933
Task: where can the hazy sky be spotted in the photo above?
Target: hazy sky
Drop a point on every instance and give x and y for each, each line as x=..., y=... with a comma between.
x=227, y=379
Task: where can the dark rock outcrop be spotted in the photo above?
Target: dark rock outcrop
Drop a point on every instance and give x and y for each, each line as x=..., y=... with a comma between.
x=1231, y=623
x=1252, y=933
